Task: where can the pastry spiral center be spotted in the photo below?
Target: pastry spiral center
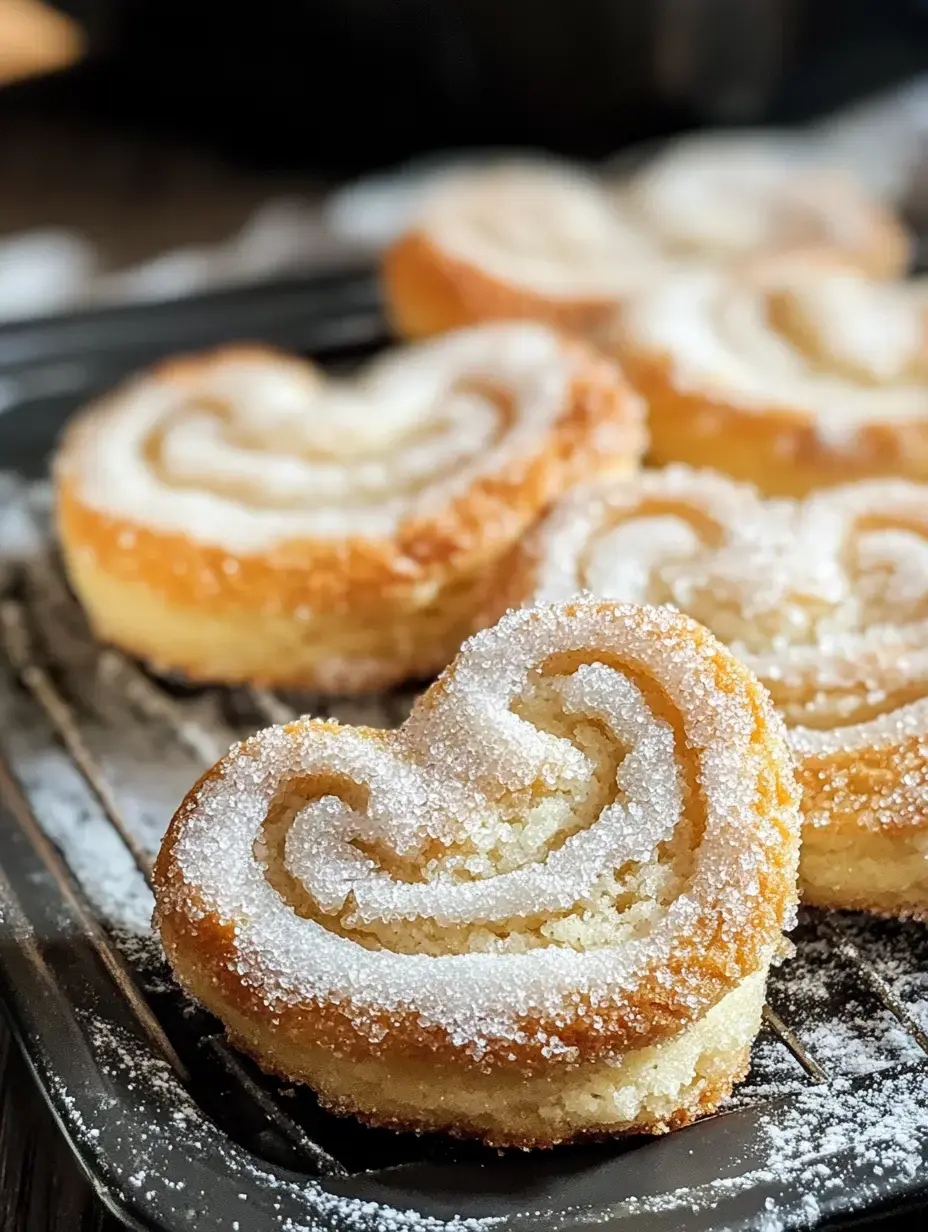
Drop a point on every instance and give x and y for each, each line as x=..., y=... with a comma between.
x=859, y=330
x=571, y=855
x=384, y=449
x=738, y=197
x=574, y=801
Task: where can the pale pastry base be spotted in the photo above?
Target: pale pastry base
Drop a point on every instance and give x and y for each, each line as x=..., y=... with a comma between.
x=861, y=869
x=652, y=1090
x=333, y=652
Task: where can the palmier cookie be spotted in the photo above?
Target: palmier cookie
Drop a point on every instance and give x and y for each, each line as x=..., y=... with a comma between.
x=239, y=517
x=826, y=600
x=517, y=240
x=544, y=907
x=529, y=240
x=731, y=196
x=794, y=377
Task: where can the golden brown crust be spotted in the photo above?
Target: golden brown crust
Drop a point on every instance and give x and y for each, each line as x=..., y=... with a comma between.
x=296, y=1059
x=777, y=449
x=391, y=608
x=429, y=292
x=296, y=1046
x=320, y=1040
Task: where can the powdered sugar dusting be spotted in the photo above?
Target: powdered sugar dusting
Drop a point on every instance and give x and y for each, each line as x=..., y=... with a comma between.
x=826, y=599
x=550, y=230
x=468, y=779
x=238, y=450
x=736, y=194
x=832, y=1144
x=792, y=338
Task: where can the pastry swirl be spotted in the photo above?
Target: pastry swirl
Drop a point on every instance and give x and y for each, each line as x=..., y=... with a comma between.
x=796, y=376
x=553, y=244
x=518, y=241
x=545, y=906
x=748, y=195
x=826, y=600
x=239, y=516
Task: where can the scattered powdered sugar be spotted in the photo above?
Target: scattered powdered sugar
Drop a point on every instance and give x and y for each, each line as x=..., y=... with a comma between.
x=21, y=536
x=865, y=1044
x=808, y=1154
x=175, y=1138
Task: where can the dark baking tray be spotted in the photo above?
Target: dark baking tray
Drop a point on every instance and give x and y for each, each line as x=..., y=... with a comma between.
x=177, y=1132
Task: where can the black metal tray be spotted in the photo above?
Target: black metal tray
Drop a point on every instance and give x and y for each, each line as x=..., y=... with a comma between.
x=175, y=1130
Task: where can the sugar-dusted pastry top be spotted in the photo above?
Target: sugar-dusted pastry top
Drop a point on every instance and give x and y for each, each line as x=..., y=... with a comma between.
x=553, y=230
x=742, y=194
x=250, y=448
x=557, y=232
x=827, y=344
x=826, y=599
x=586, y=828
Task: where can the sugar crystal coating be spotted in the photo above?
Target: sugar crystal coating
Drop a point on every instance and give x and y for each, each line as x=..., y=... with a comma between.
x=239, y=452
x=560, y=233
x=825, y=599
x=535, y=832
x=828, y=346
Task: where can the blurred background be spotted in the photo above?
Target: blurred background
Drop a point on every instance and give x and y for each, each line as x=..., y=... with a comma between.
x=153, y=147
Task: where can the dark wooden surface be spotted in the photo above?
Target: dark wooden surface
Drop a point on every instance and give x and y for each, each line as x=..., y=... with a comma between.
x=41, y=1186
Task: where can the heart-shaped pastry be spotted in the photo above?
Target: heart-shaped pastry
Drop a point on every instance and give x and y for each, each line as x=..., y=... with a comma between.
x=551, y=243
x=826, y=600
x=543, y=907
x=239, y=516
x=794, y=375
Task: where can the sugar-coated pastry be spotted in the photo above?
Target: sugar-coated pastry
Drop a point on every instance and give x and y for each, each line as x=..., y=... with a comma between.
x=794, y=377
x=544, y=907
x=240, y=517
x=735, y=195
x=551, y=243
x=826, y=600
x=517, y=240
